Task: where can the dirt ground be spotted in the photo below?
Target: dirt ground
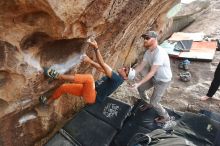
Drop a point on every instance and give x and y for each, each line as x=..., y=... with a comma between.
x=184, y=96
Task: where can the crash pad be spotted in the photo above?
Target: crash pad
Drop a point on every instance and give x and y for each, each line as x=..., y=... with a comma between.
x=86, y=129
x=129, y=130
x=197, y=128
x=146, y=118
x=59, y=140
x=89, y=131
x=212, y=115
x=140, y=122
x=111, y=111
x=199, y=51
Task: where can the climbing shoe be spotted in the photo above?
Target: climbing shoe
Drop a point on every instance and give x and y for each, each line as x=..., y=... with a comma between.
x=185, y=76
x=43, y=100
x=51, y=73
x=184, y=64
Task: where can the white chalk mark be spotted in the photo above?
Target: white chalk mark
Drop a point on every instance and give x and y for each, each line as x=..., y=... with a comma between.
x=27, y=117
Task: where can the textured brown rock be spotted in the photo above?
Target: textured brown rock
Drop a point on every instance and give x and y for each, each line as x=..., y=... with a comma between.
x=31, y=38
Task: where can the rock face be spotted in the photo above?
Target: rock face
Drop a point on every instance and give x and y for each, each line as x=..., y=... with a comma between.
x=37, y=34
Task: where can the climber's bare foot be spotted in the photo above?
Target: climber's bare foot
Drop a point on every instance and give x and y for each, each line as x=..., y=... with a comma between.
x=203, y=98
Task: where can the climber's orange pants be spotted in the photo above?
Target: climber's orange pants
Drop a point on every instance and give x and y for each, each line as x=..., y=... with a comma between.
x=83, y=85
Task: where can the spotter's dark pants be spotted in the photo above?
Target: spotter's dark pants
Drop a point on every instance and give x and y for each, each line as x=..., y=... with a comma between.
x=215, y=82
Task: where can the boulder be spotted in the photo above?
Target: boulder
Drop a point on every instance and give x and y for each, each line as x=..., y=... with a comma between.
x=37, y=34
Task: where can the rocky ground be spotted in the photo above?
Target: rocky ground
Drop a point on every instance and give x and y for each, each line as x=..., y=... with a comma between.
x=184, y=96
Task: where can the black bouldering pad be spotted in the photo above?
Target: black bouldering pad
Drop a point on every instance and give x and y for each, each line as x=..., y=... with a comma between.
x=212, y=115
x=216, y=117
x=146, y=118
x=197, y=128
x=59, y=140
x=128, y=131
x=86, y=129
x=90, y=131
x=110, y=111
